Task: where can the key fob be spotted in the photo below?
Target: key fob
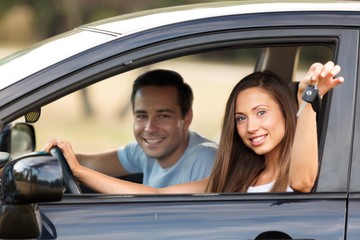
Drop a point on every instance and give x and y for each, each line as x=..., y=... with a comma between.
x=311, y=95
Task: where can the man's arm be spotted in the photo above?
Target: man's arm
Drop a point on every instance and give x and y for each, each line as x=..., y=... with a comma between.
x=101, y=183
x=105, y=162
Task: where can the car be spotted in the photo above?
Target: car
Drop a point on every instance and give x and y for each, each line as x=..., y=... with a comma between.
x=213, y=46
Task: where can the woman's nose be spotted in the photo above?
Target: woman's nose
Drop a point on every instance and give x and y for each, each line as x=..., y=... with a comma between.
x=252, y=125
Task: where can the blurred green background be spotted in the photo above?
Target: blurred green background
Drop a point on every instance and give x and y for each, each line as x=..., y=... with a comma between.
x=24, y=22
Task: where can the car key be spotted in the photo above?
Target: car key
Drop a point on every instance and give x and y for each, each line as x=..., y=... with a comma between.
x=310, y=95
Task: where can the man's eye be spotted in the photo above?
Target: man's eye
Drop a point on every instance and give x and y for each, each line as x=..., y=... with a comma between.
x=140, y=116
x=163, y=116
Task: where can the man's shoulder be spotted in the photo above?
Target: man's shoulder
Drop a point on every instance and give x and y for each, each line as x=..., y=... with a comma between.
x=201, y=145
x=132, y=149
x=197, y=140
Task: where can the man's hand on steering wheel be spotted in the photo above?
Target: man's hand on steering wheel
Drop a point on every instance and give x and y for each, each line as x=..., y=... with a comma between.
x=63, y=152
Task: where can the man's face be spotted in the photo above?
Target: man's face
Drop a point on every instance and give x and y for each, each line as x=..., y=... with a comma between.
x=159, y=127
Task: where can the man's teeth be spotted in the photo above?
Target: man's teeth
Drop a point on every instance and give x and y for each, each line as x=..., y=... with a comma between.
x=151, y=141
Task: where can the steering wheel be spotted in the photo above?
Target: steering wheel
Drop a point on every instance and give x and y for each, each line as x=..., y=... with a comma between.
x=69, y=180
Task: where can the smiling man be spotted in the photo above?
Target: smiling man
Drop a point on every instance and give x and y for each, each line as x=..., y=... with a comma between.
x=166, y=152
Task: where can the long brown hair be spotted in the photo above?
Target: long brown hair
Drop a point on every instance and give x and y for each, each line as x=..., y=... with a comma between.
x=236, y=166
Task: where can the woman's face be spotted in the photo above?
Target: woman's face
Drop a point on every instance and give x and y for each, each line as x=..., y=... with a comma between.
x=259, y=121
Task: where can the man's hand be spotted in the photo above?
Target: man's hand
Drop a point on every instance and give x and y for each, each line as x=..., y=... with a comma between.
x=67, y=151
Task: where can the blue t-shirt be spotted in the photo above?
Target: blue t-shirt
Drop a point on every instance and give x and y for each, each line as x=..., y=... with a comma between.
x=195, y=164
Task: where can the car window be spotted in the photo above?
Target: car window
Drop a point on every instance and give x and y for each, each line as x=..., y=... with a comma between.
x=99, y=117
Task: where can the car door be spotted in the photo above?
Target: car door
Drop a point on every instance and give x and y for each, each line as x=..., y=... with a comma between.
x=233, y=216
x=321, y=214
x=353, y=230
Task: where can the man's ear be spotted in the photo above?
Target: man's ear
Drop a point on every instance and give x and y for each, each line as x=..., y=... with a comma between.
x=188, y=118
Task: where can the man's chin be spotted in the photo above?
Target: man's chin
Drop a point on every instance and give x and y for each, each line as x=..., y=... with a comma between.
x=152, y=154
x=154, y=151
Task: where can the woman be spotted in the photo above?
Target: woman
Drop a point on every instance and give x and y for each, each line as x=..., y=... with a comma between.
x=255, y=145
x=260, y=137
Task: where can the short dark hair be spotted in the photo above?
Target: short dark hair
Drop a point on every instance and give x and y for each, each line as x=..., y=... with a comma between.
x=161, y=77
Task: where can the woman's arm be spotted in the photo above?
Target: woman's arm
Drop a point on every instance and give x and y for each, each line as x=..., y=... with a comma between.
x=304, y=157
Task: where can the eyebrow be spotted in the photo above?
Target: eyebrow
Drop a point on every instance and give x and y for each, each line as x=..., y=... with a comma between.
x=158, y=111
x=254, y=108
x=260, y=105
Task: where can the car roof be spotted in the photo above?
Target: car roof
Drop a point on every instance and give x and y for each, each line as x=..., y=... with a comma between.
x=66, y=45
x=129, y=23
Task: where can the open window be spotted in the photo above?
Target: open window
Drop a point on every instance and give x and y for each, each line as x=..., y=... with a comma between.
x=103, y=110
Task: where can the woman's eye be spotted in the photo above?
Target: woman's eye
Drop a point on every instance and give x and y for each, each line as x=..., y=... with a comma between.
x=240, y=119
x=261, y=113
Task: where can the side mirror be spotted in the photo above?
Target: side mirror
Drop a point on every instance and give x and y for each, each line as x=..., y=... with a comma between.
x=32, y=178
x=18, y=139
x=25, y=181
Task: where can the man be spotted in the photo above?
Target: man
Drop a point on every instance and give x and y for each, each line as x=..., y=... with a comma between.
x=166, y=152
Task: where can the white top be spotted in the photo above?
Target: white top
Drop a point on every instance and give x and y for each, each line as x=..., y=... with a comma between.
x=265, y=188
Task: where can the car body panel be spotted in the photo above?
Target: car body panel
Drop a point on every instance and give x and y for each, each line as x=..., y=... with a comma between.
x=353, y=230
x=200, y=217
x=131, y=23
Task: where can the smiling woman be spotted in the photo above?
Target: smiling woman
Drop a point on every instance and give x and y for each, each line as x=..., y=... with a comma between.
x=260, y=147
